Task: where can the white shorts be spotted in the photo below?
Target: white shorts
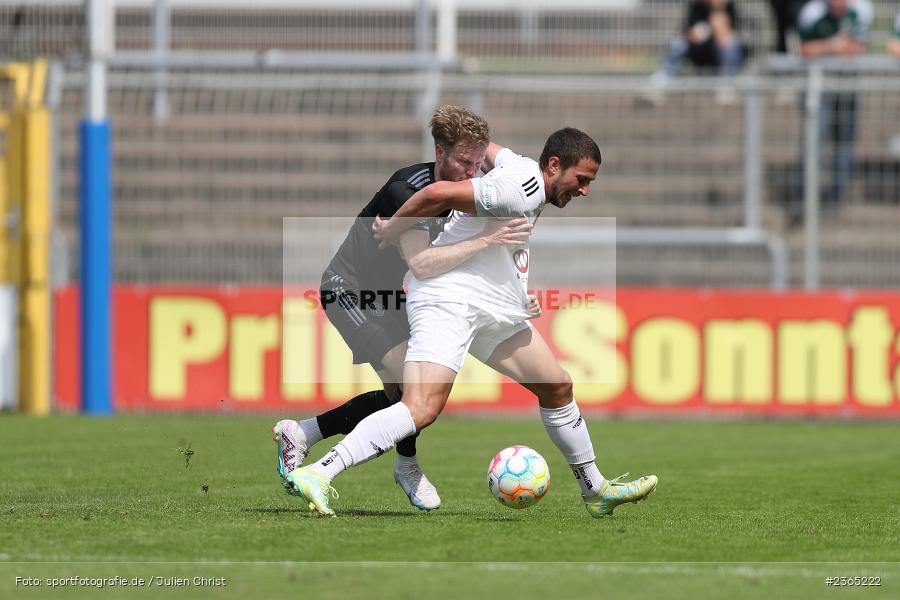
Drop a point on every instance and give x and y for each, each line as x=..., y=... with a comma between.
x=442, y=332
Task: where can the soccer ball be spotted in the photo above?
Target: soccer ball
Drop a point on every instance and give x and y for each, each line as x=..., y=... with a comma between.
x=518, y=477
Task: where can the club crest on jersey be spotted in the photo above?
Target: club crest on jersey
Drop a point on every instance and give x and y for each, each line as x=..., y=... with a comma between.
x=520, y=257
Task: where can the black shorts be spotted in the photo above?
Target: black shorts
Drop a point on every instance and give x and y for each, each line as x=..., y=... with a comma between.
x=369, y=330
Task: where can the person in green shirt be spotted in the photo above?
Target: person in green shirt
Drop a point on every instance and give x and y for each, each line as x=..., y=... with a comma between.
x=836, y=28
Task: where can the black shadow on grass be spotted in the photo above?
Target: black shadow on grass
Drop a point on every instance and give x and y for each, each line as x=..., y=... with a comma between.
x=277, y=511
x=361, y=512
x=349, y=513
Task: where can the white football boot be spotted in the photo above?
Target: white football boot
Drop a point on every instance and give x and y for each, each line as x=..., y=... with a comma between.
x=421, y=493
x=292, y=450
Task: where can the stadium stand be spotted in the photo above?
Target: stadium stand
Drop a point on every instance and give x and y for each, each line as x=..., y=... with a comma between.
x=200, y=195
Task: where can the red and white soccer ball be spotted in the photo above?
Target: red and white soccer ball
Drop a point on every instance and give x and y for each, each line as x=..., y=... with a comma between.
x=518, y=477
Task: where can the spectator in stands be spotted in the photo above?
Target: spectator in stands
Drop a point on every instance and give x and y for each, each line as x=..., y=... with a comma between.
x=785, y=12
x=893, y=45
x=836, y=28
x=709, y=40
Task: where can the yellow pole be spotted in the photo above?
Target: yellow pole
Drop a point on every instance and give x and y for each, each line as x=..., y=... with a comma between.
x=9, y=238
x=35, y=360
x=6, y=239
x=15, y=75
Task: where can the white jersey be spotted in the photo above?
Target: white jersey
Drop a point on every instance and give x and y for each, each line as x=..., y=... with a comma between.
x=495, y=279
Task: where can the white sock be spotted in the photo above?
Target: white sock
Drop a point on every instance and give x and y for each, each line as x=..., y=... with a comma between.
x=375, y=435
x=403, y=461
x=569, y=432
x=331, y=465
x=311, y=432
x=588, y=477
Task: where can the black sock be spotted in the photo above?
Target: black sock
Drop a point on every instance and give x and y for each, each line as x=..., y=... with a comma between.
x=348, y=415
x=407, y=446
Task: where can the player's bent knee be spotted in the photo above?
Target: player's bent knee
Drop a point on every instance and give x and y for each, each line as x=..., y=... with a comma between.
x=563, y=391
x=558, y=393
x=429, y=415
x=423, y=412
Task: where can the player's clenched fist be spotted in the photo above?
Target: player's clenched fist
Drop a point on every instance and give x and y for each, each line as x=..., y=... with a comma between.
x=533, y=308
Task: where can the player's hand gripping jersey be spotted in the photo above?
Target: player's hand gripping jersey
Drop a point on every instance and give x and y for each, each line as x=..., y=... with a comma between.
x=494, y=280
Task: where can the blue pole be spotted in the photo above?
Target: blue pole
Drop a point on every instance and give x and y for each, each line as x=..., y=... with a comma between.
x=94, y=170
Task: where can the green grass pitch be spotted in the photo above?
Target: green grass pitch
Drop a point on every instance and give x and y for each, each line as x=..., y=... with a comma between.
x=743, y=510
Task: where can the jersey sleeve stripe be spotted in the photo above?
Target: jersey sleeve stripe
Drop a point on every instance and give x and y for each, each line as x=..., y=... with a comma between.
x=413, y=178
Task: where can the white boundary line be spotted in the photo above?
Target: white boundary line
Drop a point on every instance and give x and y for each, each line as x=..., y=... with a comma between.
x=739, y=569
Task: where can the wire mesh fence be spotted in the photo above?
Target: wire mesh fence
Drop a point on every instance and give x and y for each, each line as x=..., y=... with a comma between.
x=526, y=35
x=29, y=29
x=200, y=195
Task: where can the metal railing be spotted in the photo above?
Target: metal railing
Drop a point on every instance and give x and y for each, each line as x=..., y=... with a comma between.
x=686, y=171
x=683, y=178
x=827, y=77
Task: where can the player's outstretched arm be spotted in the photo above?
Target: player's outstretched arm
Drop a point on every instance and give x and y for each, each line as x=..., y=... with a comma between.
x=490, y=157
x=430, y=201
x=427, y=261
x=434, y=199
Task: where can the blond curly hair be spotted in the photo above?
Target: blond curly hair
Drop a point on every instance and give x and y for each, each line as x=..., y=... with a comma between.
x=451, y=125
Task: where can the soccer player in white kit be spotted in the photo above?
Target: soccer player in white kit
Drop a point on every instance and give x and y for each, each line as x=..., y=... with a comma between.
x=479, y=307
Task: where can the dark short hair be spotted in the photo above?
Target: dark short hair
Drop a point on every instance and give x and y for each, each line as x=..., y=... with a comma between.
x=570, y=145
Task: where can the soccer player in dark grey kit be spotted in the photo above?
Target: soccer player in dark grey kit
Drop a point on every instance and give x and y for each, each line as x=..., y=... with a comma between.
x=361, y=288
